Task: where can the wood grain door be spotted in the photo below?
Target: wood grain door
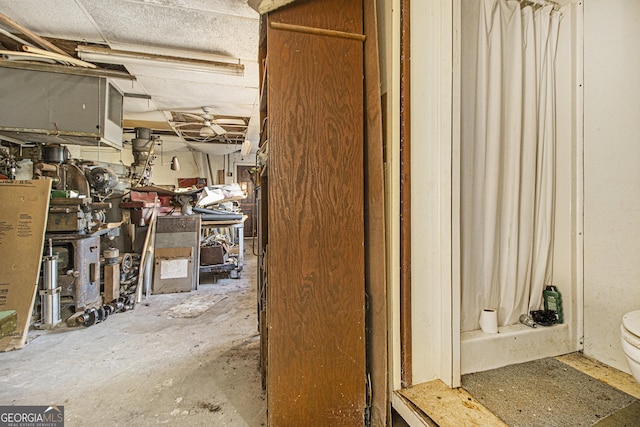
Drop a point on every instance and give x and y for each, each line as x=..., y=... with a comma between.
x=316, y=293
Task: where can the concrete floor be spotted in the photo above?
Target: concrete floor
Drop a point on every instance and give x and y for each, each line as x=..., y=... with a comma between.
x=186, y=359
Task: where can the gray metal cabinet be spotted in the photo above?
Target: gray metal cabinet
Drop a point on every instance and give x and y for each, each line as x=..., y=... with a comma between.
x=176, y=254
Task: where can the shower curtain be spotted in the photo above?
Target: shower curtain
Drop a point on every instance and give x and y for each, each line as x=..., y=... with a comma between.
x=507, y=157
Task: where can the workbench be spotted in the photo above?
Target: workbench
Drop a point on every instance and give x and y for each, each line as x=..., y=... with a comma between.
x=235, y=230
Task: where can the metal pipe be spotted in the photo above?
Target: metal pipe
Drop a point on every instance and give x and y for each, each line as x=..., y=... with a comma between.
x=50, y=272
x=50, y=294
x=14, y=37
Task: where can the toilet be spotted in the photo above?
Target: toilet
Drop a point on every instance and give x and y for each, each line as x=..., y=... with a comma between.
x=630, y=338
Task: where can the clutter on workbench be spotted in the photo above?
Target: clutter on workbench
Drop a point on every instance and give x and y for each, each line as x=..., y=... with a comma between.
x=221, y=245
x=110, y=237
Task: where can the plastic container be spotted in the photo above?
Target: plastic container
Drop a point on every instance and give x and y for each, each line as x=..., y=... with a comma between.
x=553, y=301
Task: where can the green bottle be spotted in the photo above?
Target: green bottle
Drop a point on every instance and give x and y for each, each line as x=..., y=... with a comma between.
x=553, y=301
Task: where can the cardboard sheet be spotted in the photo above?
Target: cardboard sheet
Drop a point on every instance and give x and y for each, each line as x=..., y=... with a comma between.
x=23, y=219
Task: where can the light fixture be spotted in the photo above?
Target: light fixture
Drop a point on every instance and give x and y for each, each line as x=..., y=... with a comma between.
x=122, y=57
x=219, y=130
x=211, y=129
x=175, y=164
x=206, y=130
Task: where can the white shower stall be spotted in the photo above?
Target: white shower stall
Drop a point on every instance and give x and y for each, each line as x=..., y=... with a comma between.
x=518, y=176
x=496, y=102
x=477, y=240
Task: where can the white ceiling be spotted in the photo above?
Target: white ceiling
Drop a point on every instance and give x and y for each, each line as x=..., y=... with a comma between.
x=225, y=30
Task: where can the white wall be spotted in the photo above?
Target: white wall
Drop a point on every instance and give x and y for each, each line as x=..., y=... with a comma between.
x=431, y=159
x=388, y=48
x=567, y=245
x=236, y=159
x=107, y=155
x=612, y=173
x=191, y=164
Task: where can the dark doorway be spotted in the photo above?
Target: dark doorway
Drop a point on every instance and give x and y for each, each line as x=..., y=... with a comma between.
x=247, y=205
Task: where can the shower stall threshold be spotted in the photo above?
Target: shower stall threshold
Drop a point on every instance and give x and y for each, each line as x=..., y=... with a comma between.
x=511, y=345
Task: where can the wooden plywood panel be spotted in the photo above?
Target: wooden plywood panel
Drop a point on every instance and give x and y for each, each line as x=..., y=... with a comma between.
x=600, y=371
x=23, y=218
x=316, y=349
x=375, y=247
x=450, y=406
x=406, y=349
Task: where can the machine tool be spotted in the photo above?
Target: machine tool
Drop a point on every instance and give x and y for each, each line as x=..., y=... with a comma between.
x=75, y=226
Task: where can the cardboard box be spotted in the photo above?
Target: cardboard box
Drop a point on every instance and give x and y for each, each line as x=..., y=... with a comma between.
x=23, y=219
x=212, y=255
